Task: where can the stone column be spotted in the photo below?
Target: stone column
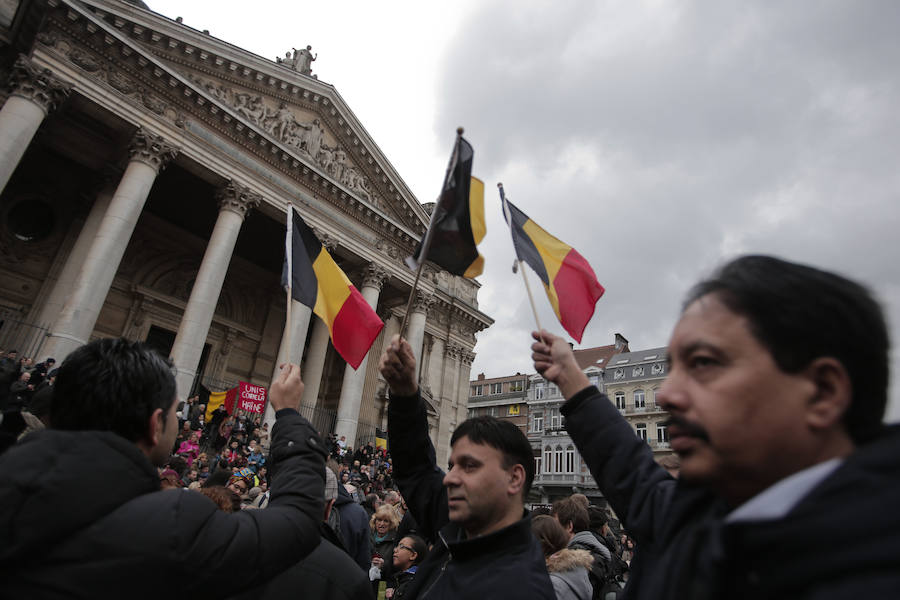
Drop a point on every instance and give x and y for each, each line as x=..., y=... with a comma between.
x=416, y=328
x=314, y=366
x=351, y=387
x=56, y=299
x=235, y=202
x=299, y=325
x=73, y=326
x=34, y=92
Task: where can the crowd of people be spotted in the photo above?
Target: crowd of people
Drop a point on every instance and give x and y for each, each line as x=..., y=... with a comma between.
x=776, y=392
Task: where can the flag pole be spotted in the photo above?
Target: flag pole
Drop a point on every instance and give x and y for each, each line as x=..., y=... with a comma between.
x=519, y=260
x=426, y=243
x=289, y=253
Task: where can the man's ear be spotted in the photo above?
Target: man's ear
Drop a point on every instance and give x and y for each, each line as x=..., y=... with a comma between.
x=328, y=506
x=516, y=479
x=833, y=393
x=155, y=425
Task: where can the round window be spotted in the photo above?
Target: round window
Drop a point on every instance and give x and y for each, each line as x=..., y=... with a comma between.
x=31, y=220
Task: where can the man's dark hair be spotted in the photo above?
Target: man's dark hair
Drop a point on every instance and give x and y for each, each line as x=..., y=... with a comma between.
x=799, y=314
x=505, y=437
x=112, y=385
x=597, y=517
x=569, y=510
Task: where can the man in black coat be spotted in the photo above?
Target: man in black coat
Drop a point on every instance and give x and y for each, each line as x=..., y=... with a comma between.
x=81, y=509
x=354, y=528
x=776, y=390
x=484, y=547
x=329, y=573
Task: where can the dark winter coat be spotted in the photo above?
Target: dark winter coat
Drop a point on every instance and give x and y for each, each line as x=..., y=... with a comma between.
x=327, y=574
x=82, y=516
x=686, y=550
x=507, y=563
x=354, y=526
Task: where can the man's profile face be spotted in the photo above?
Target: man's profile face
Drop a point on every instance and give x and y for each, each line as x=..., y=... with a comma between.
x=741, y=416
x=476, y=485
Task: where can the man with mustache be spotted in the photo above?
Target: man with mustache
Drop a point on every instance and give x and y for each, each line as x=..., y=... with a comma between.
x=473, y=513
x=776, y=391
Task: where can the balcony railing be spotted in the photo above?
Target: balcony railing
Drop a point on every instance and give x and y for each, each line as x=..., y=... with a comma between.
x=584, y=481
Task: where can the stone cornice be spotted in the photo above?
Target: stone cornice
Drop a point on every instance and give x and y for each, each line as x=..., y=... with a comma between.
x=127, y=68
x=183, y=45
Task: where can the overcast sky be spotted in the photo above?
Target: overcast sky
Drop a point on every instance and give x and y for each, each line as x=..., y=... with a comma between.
x=658, y=138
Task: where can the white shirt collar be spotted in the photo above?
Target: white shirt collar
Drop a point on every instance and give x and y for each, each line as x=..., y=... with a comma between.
x=778, y=499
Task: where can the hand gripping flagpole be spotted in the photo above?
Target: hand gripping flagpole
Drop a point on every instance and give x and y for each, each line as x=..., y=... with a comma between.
x=289, y=255
x=426, y=243
x=518, y=261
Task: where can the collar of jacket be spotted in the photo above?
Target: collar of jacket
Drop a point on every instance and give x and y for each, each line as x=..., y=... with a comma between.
x=506, y=540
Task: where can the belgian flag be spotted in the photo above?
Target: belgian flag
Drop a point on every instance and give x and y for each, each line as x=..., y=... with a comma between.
x=317, y=282
x=457, y=224
x=569, y=280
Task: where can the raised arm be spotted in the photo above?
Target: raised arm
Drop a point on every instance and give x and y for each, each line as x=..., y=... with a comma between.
x=415, y=467
x=262, y=543
x=622, y=464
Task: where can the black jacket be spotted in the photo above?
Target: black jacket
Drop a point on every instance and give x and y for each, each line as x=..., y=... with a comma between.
x=82, y=516
x=327, y=574
x=354, y=525
x=686, y=550
x=505, y=564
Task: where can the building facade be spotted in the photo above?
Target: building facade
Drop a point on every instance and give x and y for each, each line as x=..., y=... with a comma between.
x=632, y=381
x=146, y=171
x=501, y=397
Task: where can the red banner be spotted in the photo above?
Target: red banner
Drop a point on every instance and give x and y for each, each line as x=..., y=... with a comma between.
x=251, y=398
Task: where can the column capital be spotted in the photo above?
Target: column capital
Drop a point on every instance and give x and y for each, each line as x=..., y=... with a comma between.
x=329, y=241
x=39, y=85
x=237, y=198
x=453, y=351
x=422, y=302
x=151, y=150
x=468, y=357
x=374, y=275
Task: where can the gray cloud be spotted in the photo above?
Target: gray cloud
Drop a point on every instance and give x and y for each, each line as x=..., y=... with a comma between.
x=661, y=139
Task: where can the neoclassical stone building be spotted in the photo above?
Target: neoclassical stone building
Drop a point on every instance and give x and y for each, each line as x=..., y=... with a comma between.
x=146, y=170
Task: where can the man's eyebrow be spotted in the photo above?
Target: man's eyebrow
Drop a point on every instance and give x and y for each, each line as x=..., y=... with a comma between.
x=464, y=458
x=699, y=345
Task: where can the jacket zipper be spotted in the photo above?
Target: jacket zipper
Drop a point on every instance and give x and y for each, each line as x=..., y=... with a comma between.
x=443, y=566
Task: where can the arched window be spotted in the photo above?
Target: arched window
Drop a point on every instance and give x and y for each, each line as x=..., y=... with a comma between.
x=570, y=459
x=548, y=460
x=558, y=460
x=653, y=393
x=620, y=400
x=639, y=399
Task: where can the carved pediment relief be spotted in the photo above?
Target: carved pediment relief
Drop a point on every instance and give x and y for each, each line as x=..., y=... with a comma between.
x=301, y=130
